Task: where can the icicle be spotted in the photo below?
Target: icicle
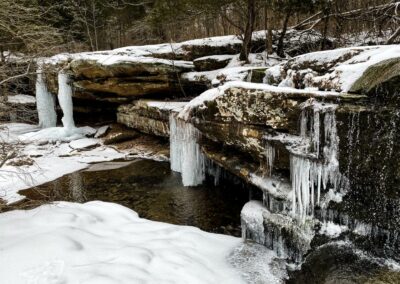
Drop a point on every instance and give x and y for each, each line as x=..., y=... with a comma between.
x=65, y=101
x=44, y=102
x=309, y=177
x=270, y=155
x=316, y=132
x=185, y=152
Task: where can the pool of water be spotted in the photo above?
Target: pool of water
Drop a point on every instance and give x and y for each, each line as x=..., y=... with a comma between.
x=152, y=190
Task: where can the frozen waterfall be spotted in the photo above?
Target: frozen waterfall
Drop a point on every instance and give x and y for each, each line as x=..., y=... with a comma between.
x=44, y=102
x=65, y=101
x=310, y=176
x=185, y=152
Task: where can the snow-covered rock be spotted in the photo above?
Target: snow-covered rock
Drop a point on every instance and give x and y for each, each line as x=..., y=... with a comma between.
x=341, y=70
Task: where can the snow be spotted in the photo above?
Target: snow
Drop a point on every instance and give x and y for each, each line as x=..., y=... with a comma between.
x=51, y=161
x=220, y=76
x=274, y=186
x=344, y=72
x=113, y=57
x=101, y=242
x=54, y=134
x=21, y=99
x=221, y=57
x=332, y=230
x=168, y=106
x=102, y=131
x=354, y=68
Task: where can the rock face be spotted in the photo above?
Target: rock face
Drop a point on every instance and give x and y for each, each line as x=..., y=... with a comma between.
x=148, y=116
x=134, y=78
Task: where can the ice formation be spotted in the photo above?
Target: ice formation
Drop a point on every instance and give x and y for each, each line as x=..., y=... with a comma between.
x=44, y=102
x=253, y=221
x=65, y=101
x=309, y=176
x=186, y=155
x=270, y=156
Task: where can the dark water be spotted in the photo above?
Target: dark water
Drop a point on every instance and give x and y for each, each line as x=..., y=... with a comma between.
x=154, y=192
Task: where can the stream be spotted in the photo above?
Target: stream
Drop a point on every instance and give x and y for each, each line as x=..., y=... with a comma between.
x=152, y=190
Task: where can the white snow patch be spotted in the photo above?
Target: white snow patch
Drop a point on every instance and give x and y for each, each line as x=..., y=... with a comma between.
x=221, y=57
x=101, y=131
x=101, y=242
x=84, y=143
x=332, y=230
x=169, y=106
x=21, y=99
x=54, y=134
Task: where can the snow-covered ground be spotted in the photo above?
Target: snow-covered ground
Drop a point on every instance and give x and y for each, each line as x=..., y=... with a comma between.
x=50, y=160
x=101, y=242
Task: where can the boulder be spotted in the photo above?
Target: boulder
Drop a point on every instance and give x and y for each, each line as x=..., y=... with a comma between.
x=385, y=73
x=212, y=62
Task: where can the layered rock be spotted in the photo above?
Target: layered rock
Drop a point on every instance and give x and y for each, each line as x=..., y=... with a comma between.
x=149, y=116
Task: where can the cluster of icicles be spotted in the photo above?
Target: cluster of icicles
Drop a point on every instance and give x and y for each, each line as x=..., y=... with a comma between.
x=46, y=103
x=310, y=176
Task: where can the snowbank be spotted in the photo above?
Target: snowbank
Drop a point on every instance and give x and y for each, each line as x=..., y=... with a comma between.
x=101, y=242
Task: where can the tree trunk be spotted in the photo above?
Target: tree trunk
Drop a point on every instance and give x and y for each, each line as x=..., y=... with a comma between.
x=393, y=37
x=280, y=51
x=246, y=47
x=327, y=12
x=268, y=28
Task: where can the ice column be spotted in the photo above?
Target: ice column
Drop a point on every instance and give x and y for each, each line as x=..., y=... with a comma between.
x=44, y=102
x=65, y=101
x=186, y=155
